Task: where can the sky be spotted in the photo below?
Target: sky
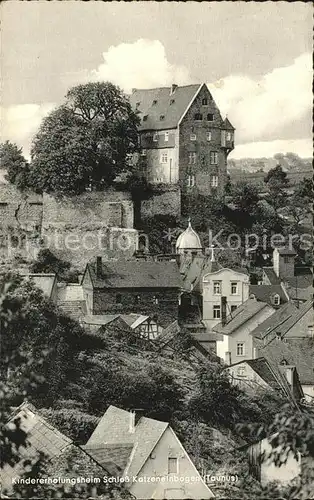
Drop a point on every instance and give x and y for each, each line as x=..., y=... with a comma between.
x=255, y=58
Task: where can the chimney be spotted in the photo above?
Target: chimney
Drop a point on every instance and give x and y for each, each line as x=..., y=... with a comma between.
x=212, y=259
x=173, y=88
x=132, y=422
x=135, y=416
x=223, y=310
x=98, y=267
x=228, y=358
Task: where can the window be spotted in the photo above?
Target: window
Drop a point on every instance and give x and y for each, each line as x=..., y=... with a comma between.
x=154, y=103
x=217, y=287
x=192, y=158
x=145, y=118
x=213, y=158
x=173, y=465
x=191, y=181
x=240, y=349
x=162, y=117
x=172, y=101
x=138, y=105
x=193, y=137
x=233, y=308
x=276, y=299
x=229, y=136
x=205, y=101
x=216, y=312
x=286, y=259
x=166, y=136
x=136, y=299
x=198, y=116
x=214, y=180
x=155, y=137
x=3, y=204
x=164, y=157
x=210, y=117
x=143, y=152
x=208, y=136
x=234, y=288
x=310, y=330
x=241, y=371
x=155, y=300
x=118, y=298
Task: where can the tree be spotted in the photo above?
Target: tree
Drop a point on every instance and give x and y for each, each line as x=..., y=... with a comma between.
x=86, y=142
x=245, y=197
x=47, y=262
x=276, y=174
x=13, y=161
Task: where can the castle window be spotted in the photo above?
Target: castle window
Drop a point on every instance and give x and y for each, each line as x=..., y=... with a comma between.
x=143, y=152
x=191, y=181
x=214, y=180
x=154, y=103
x=210, y=117
x=229, y=136
x=198, y=116
x=166, y=136
x=240, y=349
x=136, y=299
x=118, y=298
x=193, y=137
x=164, y=157
x=155, y=137
x=192, y=158
x=162, y=117
x=213, y=158
x=173, y=465
x=145, y=118
x=208, y=136
x=3, y=205
x=205, y=101
x=217, y=287
x=216, y=312
x=155, y=300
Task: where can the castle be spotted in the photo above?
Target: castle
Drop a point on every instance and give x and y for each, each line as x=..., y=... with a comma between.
x=184, y=140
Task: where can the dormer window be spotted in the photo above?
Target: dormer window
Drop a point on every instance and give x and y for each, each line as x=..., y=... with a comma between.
x=145, y=118
x=205, y=101
x=154, y=103
x=198, y=117
x=276, y=299
x=210, y=117
x=162, y=117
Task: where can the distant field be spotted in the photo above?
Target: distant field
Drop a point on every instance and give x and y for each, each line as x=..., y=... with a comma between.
x=258, y=177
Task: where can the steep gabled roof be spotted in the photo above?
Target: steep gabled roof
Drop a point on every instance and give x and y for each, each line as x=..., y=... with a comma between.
x=136, y=274
x=271, y=275
x=228, y=125
x=298, y=352
x=113, y=457
x=282, y=321
x=154, y=103
x=44, y=281
x=240, y=316
x=114, y=428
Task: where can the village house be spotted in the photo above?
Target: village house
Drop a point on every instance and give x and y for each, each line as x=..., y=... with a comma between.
x=46, y=282
x=237, y=344
x=144, y=326
x=184, y=140
x=257, y=374
x=156, y=457
x=124, y=287
x=44, y=438
x=262, y=465
x=296, y=282
x=287, y=338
